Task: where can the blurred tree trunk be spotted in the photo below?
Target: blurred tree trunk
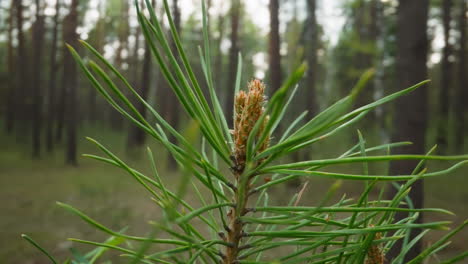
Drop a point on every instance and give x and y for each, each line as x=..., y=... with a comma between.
x=234, y=14
x=299, y=38
x=136, y=136
x=136, y=56
x=218, y=63
x=208, y=8
x=62, y=96
x=52, y=82
x=163, y=90
x=22, y=71
x=62, y=102
x=410, y=119
x=70, y=23
x=311, y=55
x=11, y=94
x=98, y=42
x=274, y=58
x=461, y=107
x=374, y=9
x=116, y=119
x=176, y=15
x=173, y=110
x=445, y=83
x=366, y=28
x=122, y=32
x=382, y=112
x=37, y=41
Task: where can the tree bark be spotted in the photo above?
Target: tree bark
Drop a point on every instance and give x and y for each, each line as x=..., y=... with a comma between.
x=219, y=54
x=445, y=79
x=163, y=91
x=38, y=39
x=274, y=47
x=98, y=42
x=461, y=108
x=173, y=110
x=52, y=82
x=136, y=136
x=22, y=71
x=366, y=28
x=208, y=8
x=233, y=53
x=62, y=102
x=70, y=24
x=61, y=106
x=116, y=119
x=382, y=112
x=11, y=95
x=410, y=119
x=135, y=57
x=311, y=55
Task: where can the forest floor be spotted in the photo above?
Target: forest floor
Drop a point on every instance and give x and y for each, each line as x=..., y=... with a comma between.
x=30, y=188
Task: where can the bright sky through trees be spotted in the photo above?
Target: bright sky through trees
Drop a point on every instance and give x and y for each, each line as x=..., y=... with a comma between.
x=331, y=18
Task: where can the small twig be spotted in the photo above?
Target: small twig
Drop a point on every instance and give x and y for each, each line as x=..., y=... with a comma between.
x=231, y=245
x=254, y=191
x=222, y=236
x=300, y=193
x=241, y=257
x=221, y=254
x=244, y=234
x=249, y=210
x=232, y=186
x=247, y=246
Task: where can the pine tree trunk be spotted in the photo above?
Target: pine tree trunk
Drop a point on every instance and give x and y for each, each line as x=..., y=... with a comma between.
x=62, y=101
x=10, y=117
x=22, y=71
x=132, y=135
x=365, y=26
x=381, y=113
x=116, y=119
x=173, y=112
x=70, y=24
x=461, y=107
x=311, y=55
x=136, y=136
x=136, y=58
x=163, y=90
x=52, y=82
x=274, y=47
x=93, y=114
x=38, y=39
x=218, y=63
x=410, y=119
x=208, y=9
x=233, y=57
x=445, y=83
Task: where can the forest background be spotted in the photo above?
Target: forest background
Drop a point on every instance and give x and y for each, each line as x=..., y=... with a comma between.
x=48, y=107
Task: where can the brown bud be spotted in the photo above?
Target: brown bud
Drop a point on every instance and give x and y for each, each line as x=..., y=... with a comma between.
x=249, y=107
x=374, y=253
